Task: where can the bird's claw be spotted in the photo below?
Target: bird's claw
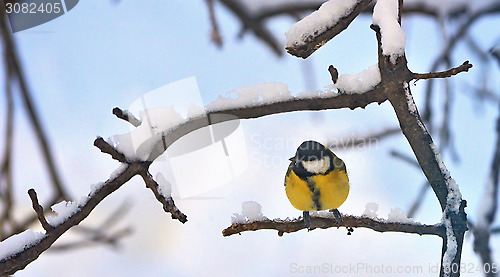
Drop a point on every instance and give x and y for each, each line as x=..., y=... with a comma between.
x=307, y=220
x=338, y=216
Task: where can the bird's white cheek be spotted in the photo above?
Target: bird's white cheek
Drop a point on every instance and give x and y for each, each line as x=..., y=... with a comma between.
x=317, y=166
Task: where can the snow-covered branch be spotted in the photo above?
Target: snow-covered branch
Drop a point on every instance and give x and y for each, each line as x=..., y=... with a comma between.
x=127, y=116
x=454, y=219
x=20, y=250
x=243, y=111
x=348, y=221
x=312, y=32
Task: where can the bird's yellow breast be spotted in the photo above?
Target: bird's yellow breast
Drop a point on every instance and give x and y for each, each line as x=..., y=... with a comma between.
x=318, y=192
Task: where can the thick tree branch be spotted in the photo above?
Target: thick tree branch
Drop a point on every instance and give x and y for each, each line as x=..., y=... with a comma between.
x=290, y=226
x=336, y=101
x=314, y=42
x=395, y=80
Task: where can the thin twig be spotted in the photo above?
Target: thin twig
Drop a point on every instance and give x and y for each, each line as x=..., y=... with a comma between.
x=108, y=149
x=39, y=211
x=252, y=23
x=363, y=141
x=412, y=211
x=215, y=34
x=405, y=158
x=127, y=116
x=166, y=201
x=111, y=239
x=334, y=73
x=443, y=74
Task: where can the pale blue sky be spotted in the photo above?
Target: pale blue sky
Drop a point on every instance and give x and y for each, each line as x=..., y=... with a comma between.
x=104, y=54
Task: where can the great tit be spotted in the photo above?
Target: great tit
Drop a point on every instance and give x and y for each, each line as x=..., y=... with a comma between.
x=316, y=180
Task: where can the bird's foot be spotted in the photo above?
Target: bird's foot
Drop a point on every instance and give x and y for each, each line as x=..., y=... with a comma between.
x=307, y=220
x=338, y=216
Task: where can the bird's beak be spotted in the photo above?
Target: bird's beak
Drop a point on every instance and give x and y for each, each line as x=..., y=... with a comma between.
x=292, y=159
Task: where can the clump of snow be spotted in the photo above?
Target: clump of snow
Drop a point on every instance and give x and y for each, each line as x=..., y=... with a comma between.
x=194, y=111
x=398, y=215
x=165, y=188
x=347, y=83
x=322, y=214
x=409, y=99
x=319, y=21
x=64, y=210
x=251, y=212
x=261, y=94
x=454, y=197
x=360, y=82
x=131, y=117
x=329, y=91
x=453, y=201
x=17, y=243
x=118, y=171
x=95, y=187
x=412, y=107
x=371, y=210
x=385, y=15
x=451, y=247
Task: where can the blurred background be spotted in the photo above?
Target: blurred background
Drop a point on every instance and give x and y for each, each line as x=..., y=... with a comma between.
x=106, y=54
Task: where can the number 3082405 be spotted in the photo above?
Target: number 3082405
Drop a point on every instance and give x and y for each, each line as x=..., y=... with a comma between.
x=33, y=8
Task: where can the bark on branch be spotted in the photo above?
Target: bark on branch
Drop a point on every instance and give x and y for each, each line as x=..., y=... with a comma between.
x=349, y=221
